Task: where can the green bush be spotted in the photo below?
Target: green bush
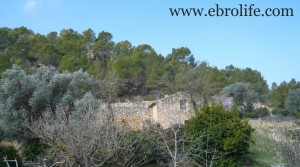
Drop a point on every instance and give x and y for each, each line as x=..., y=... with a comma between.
x=33, y=148
x=292, y=102
x=221, y=133
x=145, y=146
x=249, y=111
x=250, y=115
x=280, y=112
x=10, y=153
x=262, y=112
x=241, y=92
x=1, y=134
x=298, y=114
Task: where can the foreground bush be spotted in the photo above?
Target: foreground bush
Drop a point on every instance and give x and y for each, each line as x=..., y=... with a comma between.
x=90, y=137
x=10, y=153
x=222, y=134
x=288, y=146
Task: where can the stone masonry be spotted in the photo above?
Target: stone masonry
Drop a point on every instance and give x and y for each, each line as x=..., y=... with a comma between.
x=171, y=109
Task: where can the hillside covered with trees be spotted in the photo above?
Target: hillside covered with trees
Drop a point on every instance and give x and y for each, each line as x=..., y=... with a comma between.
x=57, y=79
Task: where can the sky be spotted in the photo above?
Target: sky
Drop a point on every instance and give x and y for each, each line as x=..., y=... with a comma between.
x=270, y=45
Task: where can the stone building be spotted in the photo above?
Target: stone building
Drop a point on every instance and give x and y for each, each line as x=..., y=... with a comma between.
x=171, y=109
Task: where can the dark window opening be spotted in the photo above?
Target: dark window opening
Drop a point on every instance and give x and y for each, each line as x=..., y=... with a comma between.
x=182, y=104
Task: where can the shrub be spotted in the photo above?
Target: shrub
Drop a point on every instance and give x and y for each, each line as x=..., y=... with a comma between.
x=143, y=149
x=298, y=115
x=280, y=112
x=262, y=112
x=1, y=134
x=248, y=111
x=9, y=151
x=288, y=146
x=33, y=148
x=241, y=92
x=292, y=103
x=224, y=136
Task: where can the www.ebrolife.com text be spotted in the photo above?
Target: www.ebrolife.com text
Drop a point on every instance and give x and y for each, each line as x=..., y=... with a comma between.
x=240, y=11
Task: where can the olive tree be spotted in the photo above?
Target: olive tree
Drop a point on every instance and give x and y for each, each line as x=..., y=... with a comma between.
x=241, y=92
x=28, y=96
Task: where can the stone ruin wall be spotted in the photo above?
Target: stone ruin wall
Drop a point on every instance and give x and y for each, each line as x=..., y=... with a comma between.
x=174, y=109
x=167, y=111
x=132, y=114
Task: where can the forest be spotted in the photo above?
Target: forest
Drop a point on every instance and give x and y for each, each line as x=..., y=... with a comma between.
x=51, y=86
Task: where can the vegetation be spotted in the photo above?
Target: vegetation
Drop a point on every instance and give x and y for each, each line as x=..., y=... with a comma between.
x=222, y=133
x=50, y=85
x=263, y=151
x=141, y=70
x=9, y=152
x=30, y=95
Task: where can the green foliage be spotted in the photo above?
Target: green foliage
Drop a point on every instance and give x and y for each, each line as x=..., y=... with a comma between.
x=293, y=101
x=33, y=148
x=202, y=83
x=141, y=70
x=83, y=106
x=281, y=112
x=222, y=133
x=88, y=37
x=96, y=70
x=157, y=79
x=263, y=151
x=20, y=63
x=123, y=48
x=9, y=151
x=103, y=47
x=145, y=146
x=232, y=73
x=183, y=55
x=16, y=87
x=128, y=69
x=27, y=96
x=280, y=93
x=49, y=55
x=262, y=112
x=21, y=38
x=174, y=60
x=1, y=134
x=248, y=110
x=52, y=37
x=4, y=62
x=72, y=63
x=217, y=81
x=256, y=79
x=6, y=38
x=241, y=92
x=247, y=75
x=36, y=45
x=134, y=70
x=69, y=42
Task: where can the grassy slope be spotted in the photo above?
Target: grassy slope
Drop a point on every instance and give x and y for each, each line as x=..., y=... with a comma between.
x=264, y=149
